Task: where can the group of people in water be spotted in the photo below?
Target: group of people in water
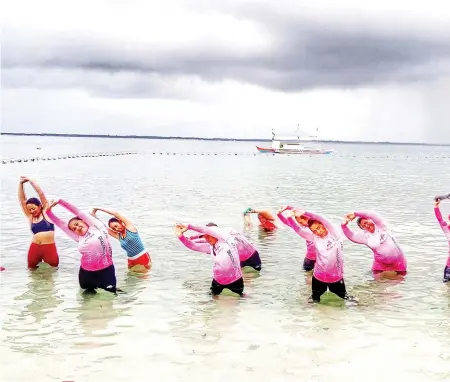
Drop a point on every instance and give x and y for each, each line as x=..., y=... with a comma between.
x=231, y=252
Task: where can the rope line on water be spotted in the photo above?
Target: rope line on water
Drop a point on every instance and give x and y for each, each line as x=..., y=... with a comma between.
x=96, y=155
x=67, y=156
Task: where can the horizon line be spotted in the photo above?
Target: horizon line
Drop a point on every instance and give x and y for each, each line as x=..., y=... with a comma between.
x=132, y=136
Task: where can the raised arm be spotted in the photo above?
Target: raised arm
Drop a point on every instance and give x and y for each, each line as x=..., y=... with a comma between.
x=356, y=237
x=299, y=230
x=377, y=219
x=61, y=224
x=198, y=246
x=22, y=197
x=281, y=216
x=40, y=193
x=88, y=218
x=445, y=227
x=128, y=223
x=218, y=233
x=331, y=228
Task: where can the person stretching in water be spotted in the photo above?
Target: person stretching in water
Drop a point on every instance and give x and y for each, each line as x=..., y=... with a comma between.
x=311, y=251
x=124, y=230
x=388, y=256
x=97, y=268
x=42, y=248
x=266, y=219
x=248, y=254
x=329, y=267
x=446, y=229
x=222, y=247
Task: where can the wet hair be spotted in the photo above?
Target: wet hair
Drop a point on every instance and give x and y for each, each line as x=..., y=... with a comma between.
x=113, y=220
x=34, y=201
x=312, y=221
x=211, y=224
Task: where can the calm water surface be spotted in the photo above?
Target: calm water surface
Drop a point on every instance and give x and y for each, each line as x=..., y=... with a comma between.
x=166, y=326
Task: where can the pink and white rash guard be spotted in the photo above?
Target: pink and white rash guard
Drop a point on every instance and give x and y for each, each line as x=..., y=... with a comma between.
x=94, y=246
x=311, y=251
x=329, y=266
x=388, y=255
x=445, y=228
x=244, y=247
x=226, y=265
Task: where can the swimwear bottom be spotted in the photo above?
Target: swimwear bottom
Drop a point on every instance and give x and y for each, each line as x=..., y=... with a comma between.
x=253, y=261
x=144, y=260
x=42, y=252
x=236, y=287
x=103, y=279
x=319, y=288
x=446, y=274
x=308, y=264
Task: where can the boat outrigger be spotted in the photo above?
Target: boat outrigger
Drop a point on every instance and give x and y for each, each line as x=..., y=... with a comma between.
x=293, y=145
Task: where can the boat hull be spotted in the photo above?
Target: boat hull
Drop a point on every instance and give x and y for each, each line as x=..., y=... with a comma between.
x=268, y=150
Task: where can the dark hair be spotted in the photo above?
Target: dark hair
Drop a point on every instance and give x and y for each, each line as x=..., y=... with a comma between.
x=312, y=221
x=34, y=201
x=71, y=220
x=211, y=224
x=113, y=220
x=358, y=222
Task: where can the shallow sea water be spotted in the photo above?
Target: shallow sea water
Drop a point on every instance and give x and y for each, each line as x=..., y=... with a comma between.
x=167, y=326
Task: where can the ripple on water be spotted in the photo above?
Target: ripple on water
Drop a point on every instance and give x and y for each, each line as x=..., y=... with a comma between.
x=167, y=320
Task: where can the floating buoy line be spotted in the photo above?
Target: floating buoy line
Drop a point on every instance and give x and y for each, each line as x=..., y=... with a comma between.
x=97, y=155
x=68, y=156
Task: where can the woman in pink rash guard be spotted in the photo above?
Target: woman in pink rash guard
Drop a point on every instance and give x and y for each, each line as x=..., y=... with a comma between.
x=311, y=251
x=97, y=267
x=446, y=229
x=248, y=254
x=388, y=256
x=222, y=247
x=329, y=267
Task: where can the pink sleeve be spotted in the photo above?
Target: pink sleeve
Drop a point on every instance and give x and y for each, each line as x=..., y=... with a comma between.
x=195, y=237
x=372, y=216
x=82, y=215
x=211, y=231
x=62, y=225
x=327, y=224
x=282, y=217
x=299, y=230
x=356, y=237
x=195, y=246
x=440, y=220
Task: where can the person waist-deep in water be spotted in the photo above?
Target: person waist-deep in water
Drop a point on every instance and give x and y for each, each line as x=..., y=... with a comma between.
x=42, y=247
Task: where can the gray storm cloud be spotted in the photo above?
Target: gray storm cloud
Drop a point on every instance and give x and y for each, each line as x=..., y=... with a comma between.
x=302, y=54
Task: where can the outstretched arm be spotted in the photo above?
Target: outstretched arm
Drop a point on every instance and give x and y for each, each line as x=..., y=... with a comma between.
x=88, y=218
x=299, y=230
x=40, y=193
x=22, y=197
x=280, y=215
x=198, y=246
x=441, y=221
x=61, y=224
x=211, y=231
x=356, y=237
x=331, y=228
x=377, y=219
x=128, y=223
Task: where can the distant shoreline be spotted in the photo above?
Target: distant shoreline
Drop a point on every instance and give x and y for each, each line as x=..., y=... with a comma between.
x=212, y=139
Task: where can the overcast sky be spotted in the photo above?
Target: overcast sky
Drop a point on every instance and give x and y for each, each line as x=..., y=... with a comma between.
x=235, y=68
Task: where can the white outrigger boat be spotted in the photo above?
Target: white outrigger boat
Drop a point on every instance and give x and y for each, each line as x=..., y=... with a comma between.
x=293, y=145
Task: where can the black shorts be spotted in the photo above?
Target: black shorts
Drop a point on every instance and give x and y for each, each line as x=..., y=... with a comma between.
x=308, y=264
x=319, y=288
x=103, y=279
x=253, y=261
x=446, y=275
x=236, y=287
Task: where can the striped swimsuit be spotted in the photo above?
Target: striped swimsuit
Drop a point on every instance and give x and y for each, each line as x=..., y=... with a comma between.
x=133, y=246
